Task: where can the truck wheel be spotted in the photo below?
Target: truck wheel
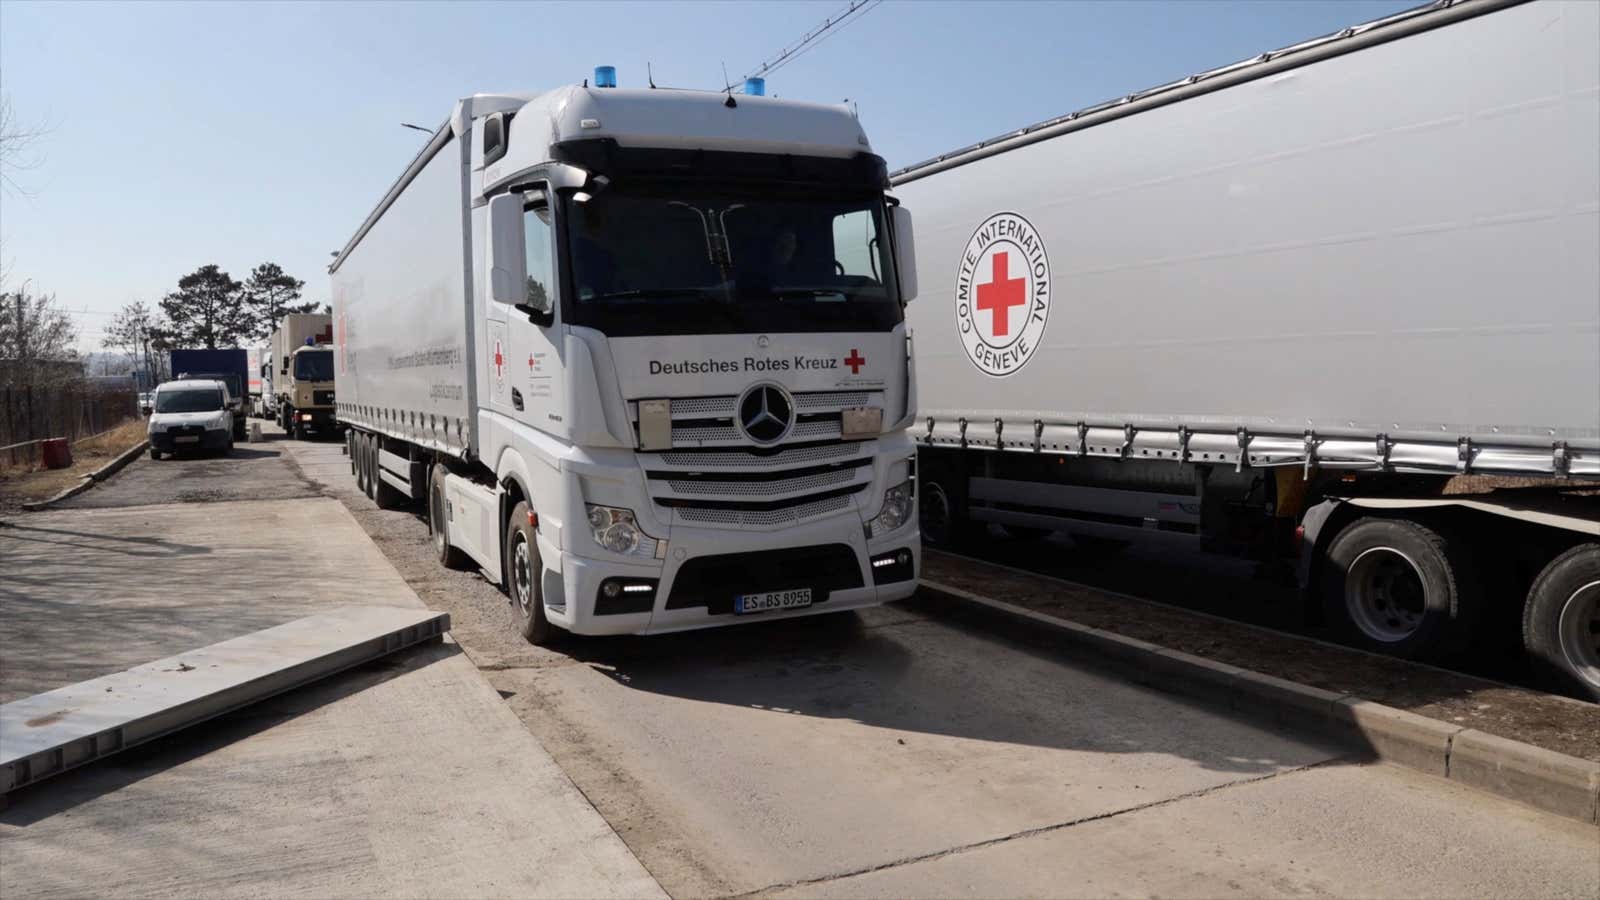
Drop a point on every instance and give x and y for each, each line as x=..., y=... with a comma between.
x=367, y=463
x=154, y=453
x=291, y=425
x=439, y=522
x=386, y=495
x=522, y=571
x=1399, y=587
x=1561, y=621
x=357, y=463
x=942, y=514
x=350, y=449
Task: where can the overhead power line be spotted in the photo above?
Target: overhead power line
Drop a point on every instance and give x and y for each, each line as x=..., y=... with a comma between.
x=808, y=41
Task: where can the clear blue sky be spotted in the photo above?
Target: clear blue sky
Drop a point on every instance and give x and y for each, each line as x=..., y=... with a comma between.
x=236, y=133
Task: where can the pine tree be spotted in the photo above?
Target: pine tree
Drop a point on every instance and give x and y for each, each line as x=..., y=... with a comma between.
x=207, y=310
x=272, y=294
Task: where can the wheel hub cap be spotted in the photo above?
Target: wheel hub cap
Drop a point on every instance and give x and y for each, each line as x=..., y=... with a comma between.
x=1384, y=594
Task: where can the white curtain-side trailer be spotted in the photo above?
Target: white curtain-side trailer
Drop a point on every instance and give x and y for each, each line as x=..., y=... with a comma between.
x=642, y=353
x=1280, y=309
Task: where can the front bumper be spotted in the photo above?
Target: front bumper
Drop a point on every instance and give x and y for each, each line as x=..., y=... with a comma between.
x=168, y=441
x=705, y=568
x=319, y=420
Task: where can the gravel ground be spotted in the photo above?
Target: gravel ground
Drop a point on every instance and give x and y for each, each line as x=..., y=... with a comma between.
x=1557, y=723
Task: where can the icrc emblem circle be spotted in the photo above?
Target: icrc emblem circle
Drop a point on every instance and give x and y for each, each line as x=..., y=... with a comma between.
x=1002, y=296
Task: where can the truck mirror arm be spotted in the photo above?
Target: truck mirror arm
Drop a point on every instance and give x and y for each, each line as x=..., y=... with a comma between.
x=544, y=318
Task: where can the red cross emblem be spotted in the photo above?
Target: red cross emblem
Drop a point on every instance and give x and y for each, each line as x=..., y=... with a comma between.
x=1002, y=293
x=530, y=362
x=855, y=361
x=499, y=361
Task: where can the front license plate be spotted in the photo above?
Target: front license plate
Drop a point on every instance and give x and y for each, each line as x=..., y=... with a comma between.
x=770, y=600
x=187, y=439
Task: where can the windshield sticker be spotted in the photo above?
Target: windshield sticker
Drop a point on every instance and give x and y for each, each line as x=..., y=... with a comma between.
x=1002, y=294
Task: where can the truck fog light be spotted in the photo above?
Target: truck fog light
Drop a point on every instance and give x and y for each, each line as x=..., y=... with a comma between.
x=611, y=588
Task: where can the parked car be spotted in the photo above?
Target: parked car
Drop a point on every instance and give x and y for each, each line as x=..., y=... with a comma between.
x=146, y=398
x=191, y=414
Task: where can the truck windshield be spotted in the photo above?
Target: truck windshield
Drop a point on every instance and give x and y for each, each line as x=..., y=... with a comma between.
x=313, y=365
x=189, y=400
x=674, y=259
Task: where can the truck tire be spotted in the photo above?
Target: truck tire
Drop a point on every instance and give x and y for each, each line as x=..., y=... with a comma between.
x=368, y=461
x=239, y=426
x=1399, y=587
x=350, y=449
x=1561, y=622
x=386, y=495
x=449, y=556
x=942, y=512
x=154, y=453
x=291, y=425
x=522, y=578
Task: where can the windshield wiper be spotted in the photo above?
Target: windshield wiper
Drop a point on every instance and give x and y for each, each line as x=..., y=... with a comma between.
x=661, y=292
x=811, y=292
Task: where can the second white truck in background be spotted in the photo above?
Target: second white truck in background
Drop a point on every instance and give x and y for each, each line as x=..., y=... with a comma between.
x=1279, y=309
x=642, y=354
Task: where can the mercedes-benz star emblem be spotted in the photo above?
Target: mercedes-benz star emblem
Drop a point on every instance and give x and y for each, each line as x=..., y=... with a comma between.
x=766, y=413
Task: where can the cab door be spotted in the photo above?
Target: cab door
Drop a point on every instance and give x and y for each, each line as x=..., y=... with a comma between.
x=524, y=331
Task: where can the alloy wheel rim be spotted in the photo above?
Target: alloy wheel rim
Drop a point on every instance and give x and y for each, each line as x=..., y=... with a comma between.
x=521, y=566
x=1579, y=628
x=1384, y=594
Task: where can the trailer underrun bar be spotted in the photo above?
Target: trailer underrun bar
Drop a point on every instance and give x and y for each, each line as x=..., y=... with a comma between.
x=49, y=733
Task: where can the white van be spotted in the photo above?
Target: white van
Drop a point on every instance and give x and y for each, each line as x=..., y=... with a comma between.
x=191, y=414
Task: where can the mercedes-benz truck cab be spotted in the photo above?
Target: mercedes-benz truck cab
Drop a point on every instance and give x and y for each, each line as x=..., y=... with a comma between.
x=654, y=374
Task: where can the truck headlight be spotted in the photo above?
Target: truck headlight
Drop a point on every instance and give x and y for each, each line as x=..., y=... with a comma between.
x=896, y=510
x=617, y=530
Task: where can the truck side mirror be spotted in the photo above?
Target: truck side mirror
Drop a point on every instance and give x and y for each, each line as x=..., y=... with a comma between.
x=508, y=264
x=905, y=253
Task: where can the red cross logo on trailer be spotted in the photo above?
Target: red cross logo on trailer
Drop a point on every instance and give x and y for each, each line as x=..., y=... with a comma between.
x=1002, y=296
x=499, y=363
x=855, y=361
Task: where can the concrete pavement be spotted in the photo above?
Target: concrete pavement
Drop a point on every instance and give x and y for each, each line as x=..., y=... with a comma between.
x=904, y=754
x=408, y=777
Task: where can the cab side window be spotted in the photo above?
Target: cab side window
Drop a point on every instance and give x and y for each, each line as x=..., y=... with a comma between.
x=541, y=270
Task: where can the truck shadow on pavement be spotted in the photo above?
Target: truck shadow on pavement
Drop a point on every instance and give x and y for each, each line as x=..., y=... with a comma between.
x=145, y=547
x=952, y=676
x=70, y=789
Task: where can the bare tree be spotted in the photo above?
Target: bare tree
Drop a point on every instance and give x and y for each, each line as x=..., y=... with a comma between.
x=132, y=331
x=38, y=337
x=16, y=148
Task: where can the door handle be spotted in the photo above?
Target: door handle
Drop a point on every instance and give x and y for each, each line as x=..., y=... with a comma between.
x=516, y=399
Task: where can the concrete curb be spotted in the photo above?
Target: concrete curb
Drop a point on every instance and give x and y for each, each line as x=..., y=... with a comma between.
x=93, y=478
x=1554, y=782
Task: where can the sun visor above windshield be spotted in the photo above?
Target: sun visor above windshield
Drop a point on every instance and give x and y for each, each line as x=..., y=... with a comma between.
x=603, y=156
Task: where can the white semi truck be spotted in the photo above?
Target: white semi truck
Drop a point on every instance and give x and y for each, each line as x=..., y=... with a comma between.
x=1279, y=309
x=642, y=353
